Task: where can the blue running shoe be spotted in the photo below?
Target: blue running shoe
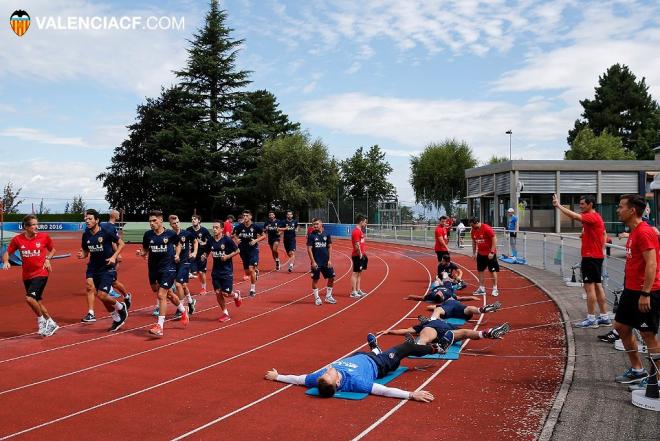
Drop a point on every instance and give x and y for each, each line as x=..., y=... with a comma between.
x=604, y=321
x=630, y=376
x=114, y=294
x=587, y=323
x=639, y=386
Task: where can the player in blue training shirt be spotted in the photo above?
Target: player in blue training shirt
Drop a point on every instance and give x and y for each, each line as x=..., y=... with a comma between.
x=248, y=236
x=319, y=249
x=358, y=372
x=444, y=333
x=289, y=227
x=272, y=229
x=222, y=249
x=452, y=308
x=97, y=244
x=163, y=250
x=197, y=265
x=189, y=247
x=118, y=287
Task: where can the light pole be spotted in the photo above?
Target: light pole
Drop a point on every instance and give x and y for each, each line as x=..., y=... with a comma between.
x=509, y=132
x=367, y=188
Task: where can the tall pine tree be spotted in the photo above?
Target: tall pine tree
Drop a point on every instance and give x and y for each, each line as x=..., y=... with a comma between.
x=623, y=107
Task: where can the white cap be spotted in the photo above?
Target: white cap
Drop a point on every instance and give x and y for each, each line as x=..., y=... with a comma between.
x=510, y=210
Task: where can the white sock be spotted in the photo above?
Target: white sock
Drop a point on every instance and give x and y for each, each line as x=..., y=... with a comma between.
x=494, y=286
x=316, y=292
x=161, y=320
x=41, y=319
x=90, y=311
x=181, y=308
x=614, y=332
x=189, y=297
x=638, y=370
x=328, y=292
x=204, y=286
x=483, y=288
x=591, y=316
x=118, y=306
x=253, y=287
x=481, y=334
x=605, y=316
x=225, y=311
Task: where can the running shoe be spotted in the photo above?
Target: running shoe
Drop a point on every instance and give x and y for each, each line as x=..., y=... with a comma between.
x=495, y=293
x=252, y=293
x=423, y=319
x=490, y=308
x=330, y=299
x=639, y=386
x=409, y=338
x=318, y=301
x=356, y=295
x=224, y=318
x=610, y=337
x=128, y=300
x=604, y=321
x=444, y=343
x=51, y=327
x=277, y=265
x=185, y=319
x=119, y=319
x=177, y=315
x=631, y=376
x=290, y=268
x=461, y=285
x=362, y=293
x=191, y=306
x=156, y=330
x=587, y=323
x=89, y=318
x=238, y=301
x=373, y=344
x=42, y=327
x=156, y=311
x=498, y=331
x=480, y=292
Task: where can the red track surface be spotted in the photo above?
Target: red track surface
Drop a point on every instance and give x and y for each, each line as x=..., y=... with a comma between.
x=208, y=379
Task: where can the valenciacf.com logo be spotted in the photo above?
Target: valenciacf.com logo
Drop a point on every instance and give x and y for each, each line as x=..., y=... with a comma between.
x=20, y=22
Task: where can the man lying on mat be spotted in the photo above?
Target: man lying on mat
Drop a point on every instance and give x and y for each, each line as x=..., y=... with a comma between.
x=444, y=334
x=452, y=308
x=439, y=291
x=358, y=372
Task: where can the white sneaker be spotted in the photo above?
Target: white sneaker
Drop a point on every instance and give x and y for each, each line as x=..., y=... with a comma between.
x=51, y=327
x=317, y=301
x=356, y=295
x=480, y=292
x=496, y=293
x=362, y=293
x=330, y=299
x=42, y=327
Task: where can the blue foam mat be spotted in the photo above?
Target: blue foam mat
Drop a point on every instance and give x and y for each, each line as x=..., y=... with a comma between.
x=452, y=353
x=518, y=260
x=456, y=321
x=360, y=395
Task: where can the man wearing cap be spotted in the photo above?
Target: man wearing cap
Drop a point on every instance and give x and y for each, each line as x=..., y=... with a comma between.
x=512, y=227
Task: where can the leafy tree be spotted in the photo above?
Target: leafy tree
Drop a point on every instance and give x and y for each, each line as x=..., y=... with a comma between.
x=42, y=208
x=587, y=145
x=438, y=174
x=10, y=200
x=406, y=214
x=78, y=206
x=67, y=208
x=497, y=159
x=294, y=172
x=623, y=107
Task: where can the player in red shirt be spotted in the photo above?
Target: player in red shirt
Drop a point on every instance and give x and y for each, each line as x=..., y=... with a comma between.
x=484, y=249
x=639, y=306
x=36, y=250
x=228, y=226
x=593, y=241
x=441, y=239
x=358, y=256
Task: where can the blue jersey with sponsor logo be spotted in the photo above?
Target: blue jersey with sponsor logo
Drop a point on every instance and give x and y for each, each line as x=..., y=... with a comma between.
x=246, y=235
x=358, y=373
x=290, y=227
x=162, y=249
x=218, y=248
x=202, y=235
x=320, y=243
x=513, y=220
x=272, y=229
x=99, y=246
x=187, y=240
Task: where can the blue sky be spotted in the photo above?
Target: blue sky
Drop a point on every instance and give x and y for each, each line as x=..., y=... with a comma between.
x=400, y=74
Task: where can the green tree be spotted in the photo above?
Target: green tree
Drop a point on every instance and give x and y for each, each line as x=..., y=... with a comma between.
x=497, y=159
x=295, y=173
x=588, y=145
x=42, y=208
x=623, y=107
x=67, y=208
x=438, y=174
x=407, y=214
x=10, y=200
x=78, y=206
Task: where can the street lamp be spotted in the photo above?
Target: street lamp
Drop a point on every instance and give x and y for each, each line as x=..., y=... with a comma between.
x=367, y=188
x=509, y=132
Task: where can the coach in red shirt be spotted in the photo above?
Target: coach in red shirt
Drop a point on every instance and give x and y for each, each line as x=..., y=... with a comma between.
x=639, y=307
x=441, y=239
x=591, y=266
x=36, y=250
x=358, y=256
x=484, y=248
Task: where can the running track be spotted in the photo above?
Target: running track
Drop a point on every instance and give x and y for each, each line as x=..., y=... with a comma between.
x=206, y=381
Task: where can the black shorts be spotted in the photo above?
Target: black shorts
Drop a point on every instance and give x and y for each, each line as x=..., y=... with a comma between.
x=360, y=264
x=484, y=262
x=328, y=272
x=628, y=312
x=35, y=287
x=250, y=258
x=198, y=265
x=513, y=234
x=164, y=278
x=223, y=282
x=272, y=241
x=183, y=272
x=592, y=270
x=440, y=254
x=289, y=245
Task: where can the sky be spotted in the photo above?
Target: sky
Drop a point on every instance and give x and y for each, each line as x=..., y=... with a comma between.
x=400, y=74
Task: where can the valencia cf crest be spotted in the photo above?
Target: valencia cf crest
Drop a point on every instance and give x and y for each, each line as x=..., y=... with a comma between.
x=222, y=247
x=183, y=238
x=165, y=241
x=38, y=244
x=100, y=240
x=19, y=22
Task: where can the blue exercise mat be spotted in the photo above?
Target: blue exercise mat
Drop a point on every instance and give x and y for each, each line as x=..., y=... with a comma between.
x=456, y=321
x=360, y=395
x=451, y=354
x=517, y=260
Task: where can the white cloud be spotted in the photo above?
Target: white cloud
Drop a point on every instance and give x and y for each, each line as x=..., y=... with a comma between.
x=100, y=137
x=35, y=135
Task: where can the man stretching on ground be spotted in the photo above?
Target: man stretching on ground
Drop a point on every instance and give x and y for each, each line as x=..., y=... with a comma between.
x=445, y=333
x=358, y=372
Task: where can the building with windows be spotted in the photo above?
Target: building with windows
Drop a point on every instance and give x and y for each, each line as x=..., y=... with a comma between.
x=527, y=186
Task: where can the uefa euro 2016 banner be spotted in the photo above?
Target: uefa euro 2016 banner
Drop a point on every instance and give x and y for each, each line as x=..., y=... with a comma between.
x=47, y=226
x=339, y=230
